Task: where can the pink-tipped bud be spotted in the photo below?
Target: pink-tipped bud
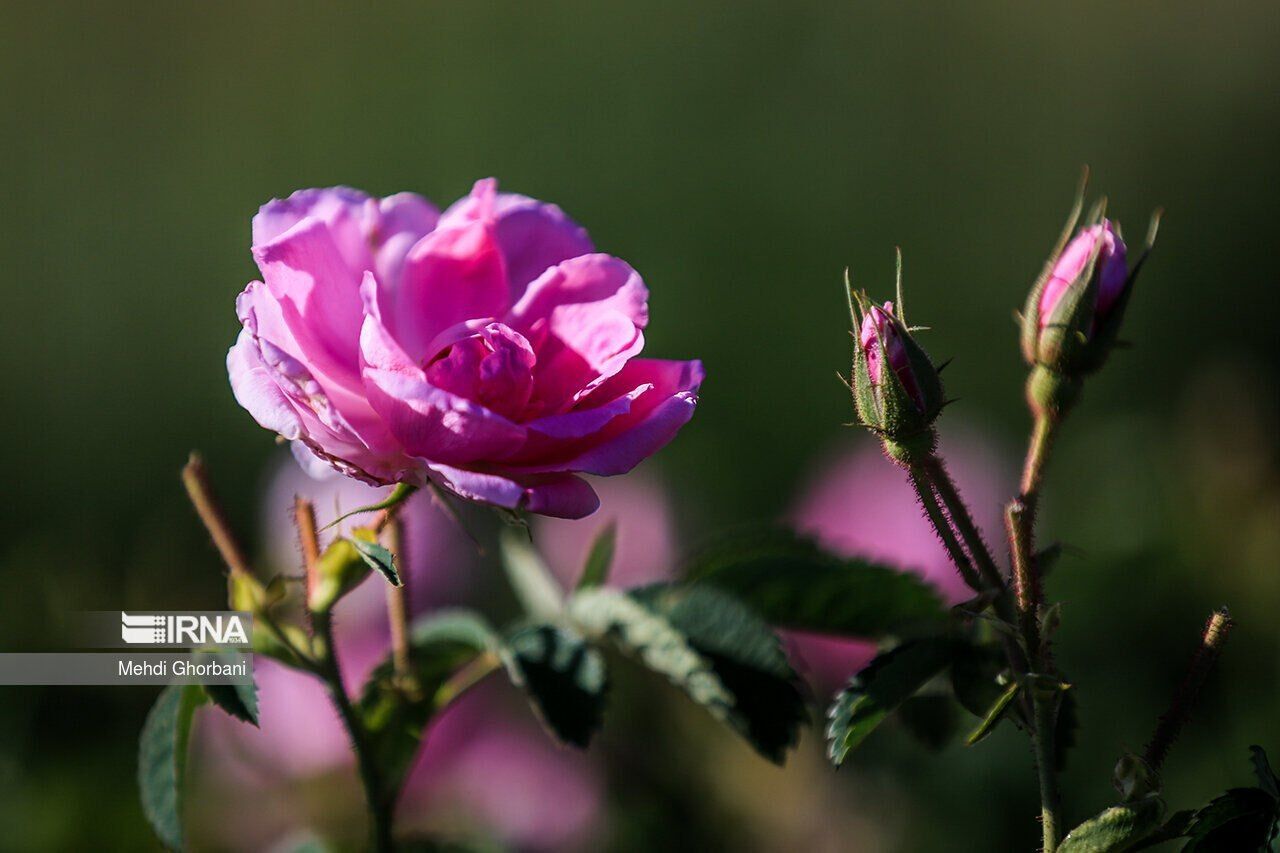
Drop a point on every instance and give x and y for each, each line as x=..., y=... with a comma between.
x=878, y=329
x=1113, y=274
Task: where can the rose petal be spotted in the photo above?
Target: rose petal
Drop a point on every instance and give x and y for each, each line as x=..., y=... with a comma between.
x=560, y=496
x=584, y=317
x=534, y=235
x=451, y=275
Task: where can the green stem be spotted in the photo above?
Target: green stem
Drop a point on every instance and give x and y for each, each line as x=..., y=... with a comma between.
x=381, y=801
x=1020, y=522
x=942, y=526
x=1046, y=767
x=963, y=520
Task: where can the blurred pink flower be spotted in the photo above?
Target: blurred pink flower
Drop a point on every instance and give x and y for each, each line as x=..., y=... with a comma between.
x=861, y=504
x=646, y=550
x=537, y=796
x=488, y=349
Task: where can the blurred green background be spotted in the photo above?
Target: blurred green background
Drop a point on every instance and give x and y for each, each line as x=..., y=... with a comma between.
x=740, y=155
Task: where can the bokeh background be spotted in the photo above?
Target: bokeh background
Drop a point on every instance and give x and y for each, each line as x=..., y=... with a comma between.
x=740, y=155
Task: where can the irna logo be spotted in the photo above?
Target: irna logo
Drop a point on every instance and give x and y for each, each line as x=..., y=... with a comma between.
x=183, y=629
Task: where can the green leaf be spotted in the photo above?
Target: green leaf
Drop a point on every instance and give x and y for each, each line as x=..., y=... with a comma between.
x=1262, y=769
x=793, y=583
x=932, y=720
x=1242, y=819
x=439, y=645
x=1116, y=829
x=994, y=714
x=875, y=692
x=374, y=555
x=531, y=580
x=162, y=759
x=564, y=677
x=716, y=650
x=238, y=700
x=600, y=560
x=1174, y=827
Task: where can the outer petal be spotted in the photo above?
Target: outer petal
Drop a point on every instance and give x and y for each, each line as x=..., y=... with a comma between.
x=304, y=271
x=282, y=396
x=653, y=419
x=585, y=318
x=450, y=276
x=559, y=496
x=533, y=235
x=348, y=214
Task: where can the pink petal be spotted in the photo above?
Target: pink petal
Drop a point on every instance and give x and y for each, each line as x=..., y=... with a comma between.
x=429, y=422
x=584, y=317
x=653, y=420
x=534, y=236
x=559, y=496
x=451, y=275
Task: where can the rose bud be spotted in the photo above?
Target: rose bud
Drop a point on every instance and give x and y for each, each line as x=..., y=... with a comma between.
x=488, y=350
x=896, y=388
x=1074, y=313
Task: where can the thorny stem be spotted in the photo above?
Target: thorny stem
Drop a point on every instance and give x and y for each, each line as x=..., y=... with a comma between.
x=1171, y=723
x=380, y=799
x=1020, y=521
x=195, y=479
x=304, y=513
x=942, y=526
x=963, y=520
x=398, y=604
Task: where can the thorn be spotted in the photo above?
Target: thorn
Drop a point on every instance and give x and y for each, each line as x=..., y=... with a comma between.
x=1019, y=319
x=843, y=381
x=919, y=328
x=943, y=366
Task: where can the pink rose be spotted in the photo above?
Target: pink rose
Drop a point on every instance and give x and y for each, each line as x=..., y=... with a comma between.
x=487, y=349
x=1113, y=273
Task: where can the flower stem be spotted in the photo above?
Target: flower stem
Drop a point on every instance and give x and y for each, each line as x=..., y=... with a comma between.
x=942, y=526
x=1042, y=737
x=1170, y=725
x=380, y=799
x=963, y=520
x=398, y=604
x=1020, y=524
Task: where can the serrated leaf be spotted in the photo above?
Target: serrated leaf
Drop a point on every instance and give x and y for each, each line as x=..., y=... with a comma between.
x=875, y=692
x=564, y=677
x=238, y=700
x=997, y=712
x=793, y=583
x=1262, y=769
x=1117, y=829
x=932, y=720
x=439, y=645
x=374, y=555
x=162, y=760
x=600, y=558
x=712, y=647
x=531, y=580
x=1242, y=819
